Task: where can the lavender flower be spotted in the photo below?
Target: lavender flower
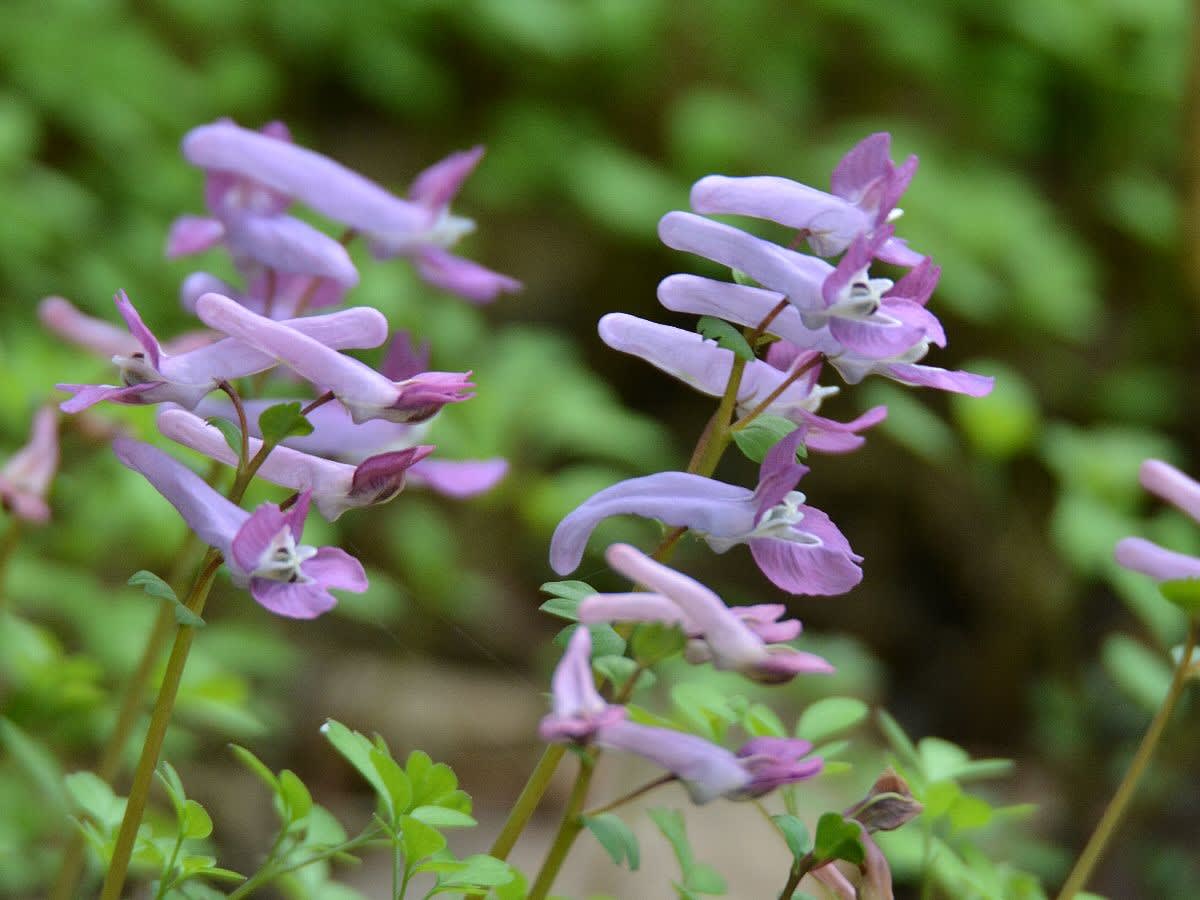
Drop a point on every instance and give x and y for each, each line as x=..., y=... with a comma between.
x=25, y=478
x=739, y=639
x=421, y=227
x=61, y=317
x=796, y=546
x=749, y=306
x=249, y=218
x=1165, y=481
x=578, y=709
x=262, y=549
x=335, y=487
x=365, y=393
x=705, y=366
x=866, y=187
x=280, y=296
x=151, y=375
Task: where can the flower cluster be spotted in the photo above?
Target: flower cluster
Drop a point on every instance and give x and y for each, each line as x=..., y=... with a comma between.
x=359, y=438
x=798, y=311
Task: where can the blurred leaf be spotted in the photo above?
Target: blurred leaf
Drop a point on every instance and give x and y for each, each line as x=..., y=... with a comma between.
x=160, y=590
x=615, y=837
x=795, y=833
x=1142, y=674
x=1006, y=421
x=830, y=716
x=838, y=838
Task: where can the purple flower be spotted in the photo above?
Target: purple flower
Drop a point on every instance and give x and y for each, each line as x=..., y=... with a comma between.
x=578, y=708
x=866, y=187
x=151, y=375
x=365, y=393
x=262, y=549
x=421, y=227
x=281, y=296
x=796, y=546
x=25, y=478
x=708, y=771
x=749, y=306
x=865, y=315
x=705, y=366
x=335, y=487
x=64, y=319
x=336, y=436
x=249, y=218
x=742, y=640
x=1165, y=481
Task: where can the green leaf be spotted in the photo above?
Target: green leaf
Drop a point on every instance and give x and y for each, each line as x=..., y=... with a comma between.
x=697, y=877
x=760, y=720
x=297, y=801
x=654, y=642
x=567, y=595
x=173, y=785
x=838, y=838
x=1184, y=593
x=197, y=823
x=282, y=421
x=727, y=336
x=420, y=840
x=605, y=640
x=479, y=870
x=160, y=590
x=833, y=715
x=95, y=798
x=357, y=750
x=615, y=837
x=232, y=434
x=441, y=817
x=763, y=433
x=795, y=833
x=398, y=793
x=39, y=764
x=900, y=743
x=257, y=766
x=1141, y=673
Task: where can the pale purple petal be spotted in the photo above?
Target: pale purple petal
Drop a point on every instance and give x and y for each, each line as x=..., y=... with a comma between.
x=255, y=536
x=676, y=498
x=785, y=663
x=682, y=354
x=436, y=186
x=193, y=234
x=633, y=607
x=26, y=476
x=461, y=276
x=763, y=620
x=779, y=472
x=855, y=261
x=802, y=568
x=215, y=520
x=286, y=244
x=795, y=274
x=874, y=339
x=578, y=708
x=918, y=283
x=197, y=284
x=293, y=600
x=326, y=186
x=706, y=770
x=380, y=478
x=1164, y=480
x=63, y=318
x=828, y=436
x=931, y=376
x=334, y=568
x=774, y=762
x=138, y=329
x=863, y=166
x=458, y=478
x=1159, y=563
x=404, y=359
x=917, y=317
x=86, y=396
x=897, y=252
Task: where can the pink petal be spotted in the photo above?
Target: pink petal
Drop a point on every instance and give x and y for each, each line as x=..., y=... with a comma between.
x=193, y=234
x=436, y=186
x=296, y=600
x=461, y=276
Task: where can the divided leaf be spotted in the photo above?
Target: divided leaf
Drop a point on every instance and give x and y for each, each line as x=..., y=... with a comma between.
x=616, y=838
x=282, y=421
x=727, y=336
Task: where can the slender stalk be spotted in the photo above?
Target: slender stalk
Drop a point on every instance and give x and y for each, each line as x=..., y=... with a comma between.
x=634, y=794
x=527, y=802
x=271, y=872
x=568, y=830
x=244, y=455
x=143, y=775
x=1107, y=826
x=774, y=395
x=320, y=401
x=793, y=882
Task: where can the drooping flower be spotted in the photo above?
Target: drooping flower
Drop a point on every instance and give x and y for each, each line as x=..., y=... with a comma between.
x=867, y=316
x=25, y=478
x=796, y=546
x=866, y=186
x=705, y=366
x=750, y=305
x=335, y=487
x=578, y=710
x=336, y=436
x=421, y=227
x=262, y=549
x=151, y=375
x=365, y=393
x=731, y=639
x=251, y=220
x=1165, y=481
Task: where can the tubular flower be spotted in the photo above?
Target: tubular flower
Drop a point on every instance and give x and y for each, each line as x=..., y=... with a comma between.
x=262, y=549
x=66, y=320
x=25, y=478
x=578, y=708
x=1165, y=481
x=335, y=487
x=365, y=393
x=750, y=305
x=704, y=366
x=420, y=227
x=796, y=546
x=250, y=219
x=151, y=375
x=866, y=186
x=280, y=296
x=733, y=639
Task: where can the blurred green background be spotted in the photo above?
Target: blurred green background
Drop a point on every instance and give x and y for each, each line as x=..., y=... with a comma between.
x=1056, y=171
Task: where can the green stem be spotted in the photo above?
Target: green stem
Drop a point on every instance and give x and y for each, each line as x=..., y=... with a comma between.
x=774, y=395
x=1107, y=826
x=568, y=830
x=527, y=802
x=793, y=882
x=270, y=873
x=143, y=775
x=633, y=795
